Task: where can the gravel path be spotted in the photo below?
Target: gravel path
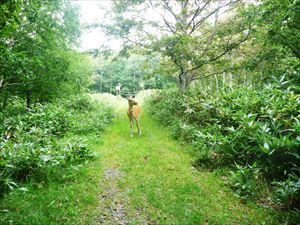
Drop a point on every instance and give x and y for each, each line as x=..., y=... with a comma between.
x=111, y=202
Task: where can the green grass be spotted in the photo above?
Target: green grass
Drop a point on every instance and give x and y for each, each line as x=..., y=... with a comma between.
x=158, y=185
x=159, y=177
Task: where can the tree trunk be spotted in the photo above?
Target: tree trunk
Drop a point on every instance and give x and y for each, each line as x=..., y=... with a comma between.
x=4, y=101
x=28, y=99
x=217, y=83
x=184, y=81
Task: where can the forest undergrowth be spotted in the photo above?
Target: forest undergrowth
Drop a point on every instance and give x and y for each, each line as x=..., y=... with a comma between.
x=250, y=134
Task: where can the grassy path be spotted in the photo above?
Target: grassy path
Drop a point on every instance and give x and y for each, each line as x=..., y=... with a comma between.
x=150, y=180
x=141, y=180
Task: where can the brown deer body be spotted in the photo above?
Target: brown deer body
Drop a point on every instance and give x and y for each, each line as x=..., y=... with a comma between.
x=134, y=114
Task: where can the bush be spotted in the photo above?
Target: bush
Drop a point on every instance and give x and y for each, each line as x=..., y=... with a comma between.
x=30, y=140
x=245, y=126
x=244, y=181
x=79, y=103
x=287, y=193
x=76, y=150
x=95, y=120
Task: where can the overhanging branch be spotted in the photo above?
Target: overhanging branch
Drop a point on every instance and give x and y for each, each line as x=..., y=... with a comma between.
x=228, y=49
x=215, y=73
x=164, y=19
x=197, y=24
x=197, y=12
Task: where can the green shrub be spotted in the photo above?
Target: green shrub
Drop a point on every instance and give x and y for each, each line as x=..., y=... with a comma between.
x=244, y=126
x=30, y=139
x=244, y=180
x=79, y=103
x=76, y=150
x=287, y=193
x=94, y=120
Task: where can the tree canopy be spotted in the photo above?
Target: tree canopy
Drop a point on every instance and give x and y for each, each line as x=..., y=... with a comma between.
x=198, y=38
x=190, y=34
x=135, y=72
x=37, y=59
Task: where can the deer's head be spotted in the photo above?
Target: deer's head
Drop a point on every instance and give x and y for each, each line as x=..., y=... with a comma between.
x=131, y=101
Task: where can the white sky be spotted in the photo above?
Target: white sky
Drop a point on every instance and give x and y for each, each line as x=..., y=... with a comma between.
x=92, y=12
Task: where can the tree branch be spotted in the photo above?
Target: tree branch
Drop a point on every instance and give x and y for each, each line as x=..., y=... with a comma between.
x=165, y=21
x=197, y=24
x=228, y=49
x=177, y=64
x=171, y=11
x=197, y=12
x=134, y=42
x=212, y=74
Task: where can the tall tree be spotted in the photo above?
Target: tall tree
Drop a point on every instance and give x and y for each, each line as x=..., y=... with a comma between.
x=36, y=41
x=281, y=20
x=190, y=34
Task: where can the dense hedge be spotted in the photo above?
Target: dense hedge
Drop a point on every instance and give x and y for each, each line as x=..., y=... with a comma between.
x=253, y=131
x=30, y=140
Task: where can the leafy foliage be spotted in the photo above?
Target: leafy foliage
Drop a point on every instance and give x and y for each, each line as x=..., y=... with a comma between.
x=243, y=126
x=287, y=192
x=190, y=35
x=244, y=180
x=30, y=140
x=134, y=73
x=36, y=56
x=282, y=21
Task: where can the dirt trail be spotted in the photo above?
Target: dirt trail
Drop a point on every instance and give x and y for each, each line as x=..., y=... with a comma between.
x=110, y=202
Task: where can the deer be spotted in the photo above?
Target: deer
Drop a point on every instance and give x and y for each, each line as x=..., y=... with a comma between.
x=134, y=114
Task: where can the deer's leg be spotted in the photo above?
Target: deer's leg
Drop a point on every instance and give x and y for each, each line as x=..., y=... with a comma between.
x=138, y=125
x=131, y=127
